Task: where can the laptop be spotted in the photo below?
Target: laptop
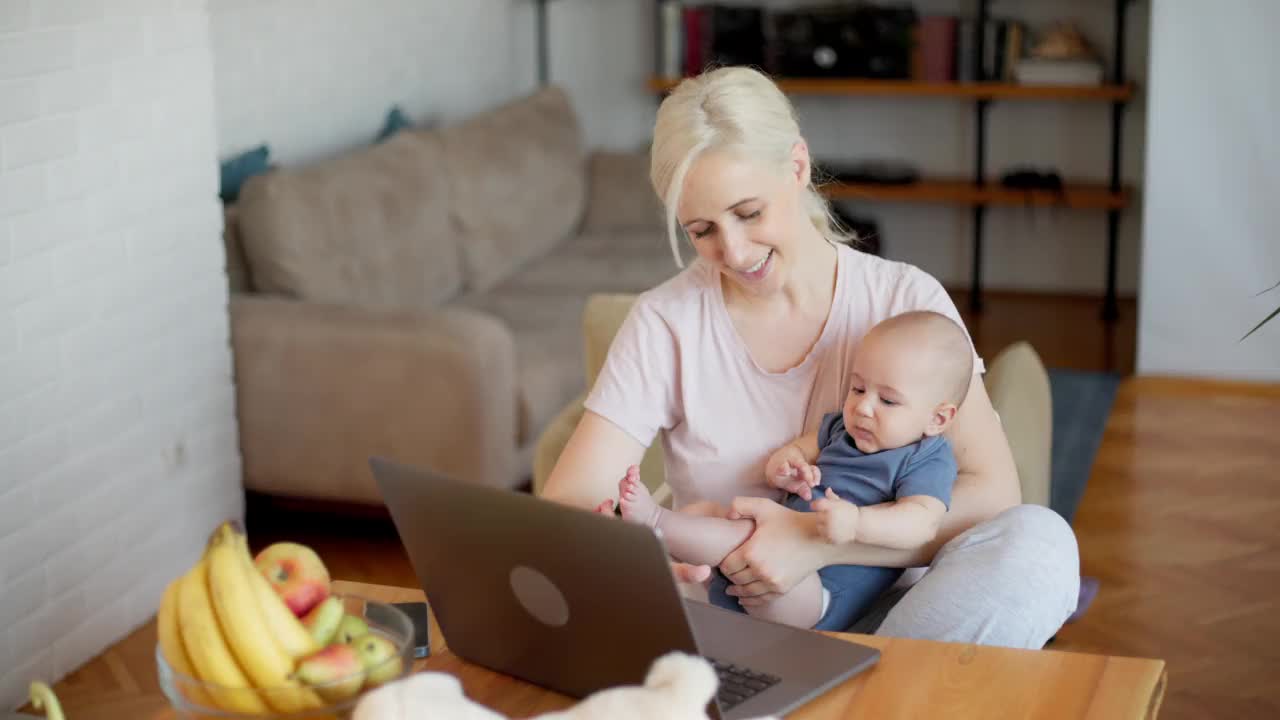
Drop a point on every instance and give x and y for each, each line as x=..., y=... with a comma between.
x=577, y=602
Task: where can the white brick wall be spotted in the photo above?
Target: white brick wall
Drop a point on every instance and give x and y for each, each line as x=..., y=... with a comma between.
x=312, y=83
x=117, y=426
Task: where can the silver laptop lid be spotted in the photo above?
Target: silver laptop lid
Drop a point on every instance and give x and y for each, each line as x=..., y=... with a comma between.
x=509, y=596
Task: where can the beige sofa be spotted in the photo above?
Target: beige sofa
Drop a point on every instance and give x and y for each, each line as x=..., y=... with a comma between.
x=422, y=298
x=426, y=299
x=1016, y=380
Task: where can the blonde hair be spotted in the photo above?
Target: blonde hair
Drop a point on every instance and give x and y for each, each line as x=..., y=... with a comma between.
x=736, y=109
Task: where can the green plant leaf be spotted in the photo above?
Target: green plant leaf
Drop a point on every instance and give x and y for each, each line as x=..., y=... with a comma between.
x=1264, y=322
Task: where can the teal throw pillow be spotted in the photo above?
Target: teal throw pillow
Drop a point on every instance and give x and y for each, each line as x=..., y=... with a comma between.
x=236, y=170
x=395, y=121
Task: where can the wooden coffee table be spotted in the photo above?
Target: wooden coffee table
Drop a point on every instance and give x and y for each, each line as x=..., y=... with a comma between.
x=913, y=679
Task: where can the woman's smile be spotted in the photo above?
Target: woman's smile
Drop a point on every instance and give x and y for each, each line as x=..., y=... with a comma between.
x=757, y=272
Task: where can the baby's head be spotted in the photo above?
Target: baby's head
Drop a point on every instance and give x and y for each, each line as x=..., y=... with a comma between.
x=910, y=375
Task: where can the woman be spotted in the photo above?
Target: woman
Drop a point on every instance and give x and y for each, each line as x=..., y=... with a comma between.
x=749, y=346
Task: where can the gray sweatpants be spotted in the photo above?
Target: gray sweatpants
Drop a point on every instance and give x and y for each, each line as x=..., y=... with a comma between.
x=1011, y=581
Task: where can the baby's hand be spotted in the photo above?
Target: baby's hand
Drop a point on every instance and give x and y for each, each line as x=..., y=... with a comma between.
x=837, y=519
x=788, y=470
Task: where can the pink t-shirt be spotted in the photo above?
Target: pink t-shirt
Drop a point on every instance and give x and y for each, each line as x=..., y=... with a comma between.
x=678, y=369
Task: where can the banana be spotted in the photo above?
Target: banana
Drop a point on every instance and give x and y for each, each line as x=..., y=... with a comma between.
x=207, y=648
x=284, y=626
x=245, y=627
x=171, y=645
x=42, y=698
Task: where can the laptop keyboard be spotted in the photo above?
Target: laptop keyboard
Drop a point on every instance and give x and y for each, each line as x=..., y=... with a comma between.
x=739, y=683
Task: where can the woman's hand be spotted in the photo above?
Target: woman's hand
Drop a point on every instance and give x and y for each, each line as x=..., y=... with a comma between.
x=778, y=555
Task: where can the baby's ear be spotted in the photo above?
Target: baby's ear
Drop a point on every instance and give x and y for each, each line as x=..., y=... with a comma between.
x=941, y=419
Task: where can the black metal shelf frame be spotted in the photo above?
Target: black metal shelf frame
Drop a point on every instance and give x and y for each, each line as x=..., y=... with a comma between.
x=1110, y=309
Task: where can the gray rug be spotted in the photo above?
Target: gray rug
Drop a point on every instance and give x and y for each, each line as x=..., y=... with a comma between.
x=1081, y=403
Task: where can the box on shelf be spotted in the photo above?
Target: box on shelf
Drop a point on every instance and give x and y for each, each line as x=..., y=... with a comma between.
x=1037, y=71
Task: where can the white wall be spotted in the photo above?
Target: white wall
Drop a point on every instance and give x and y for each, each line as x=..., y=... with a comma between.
x=118, y=446
x=602, y=51
x=1212, y=237
x=312, y=79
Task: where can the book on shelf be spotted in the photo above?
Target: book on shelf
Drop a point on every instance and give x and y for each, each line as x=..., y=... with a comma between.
x=966, y=44
x=1004, y=44
x=695, y=36
x=936, y=43
x=1012, y=49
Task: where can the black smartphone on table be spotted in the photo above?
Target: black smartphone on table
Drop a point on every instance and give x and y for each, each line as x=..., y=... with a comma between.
x=417, y=612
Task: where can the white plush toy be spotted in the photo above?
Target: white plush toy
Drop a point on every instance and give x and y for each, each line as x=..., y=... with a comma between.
x=421, y=695
x=677, y=687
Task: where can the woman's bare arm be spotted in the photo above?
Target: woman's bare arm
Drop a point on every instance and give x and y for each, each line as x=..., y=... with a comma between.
x=586, y=475
x=593, y=461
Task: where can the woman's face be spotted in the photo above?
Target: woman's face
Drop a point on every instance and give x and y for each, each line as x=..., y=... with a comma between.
x=746, y=219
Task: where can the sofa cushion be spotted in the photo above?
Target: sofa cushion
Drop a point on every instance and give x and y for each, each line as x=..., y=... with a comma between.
x=543, y=303
x=237, y=271
x=548, y=377
x=547, y=328
x=518, y=182
x=370, y=228
x=627, y=262
x=619, y=194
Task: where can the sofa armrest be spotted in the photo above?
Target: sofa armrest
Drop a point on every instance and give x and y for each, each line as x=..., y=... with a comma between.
x=619, y=196
x=321, y=388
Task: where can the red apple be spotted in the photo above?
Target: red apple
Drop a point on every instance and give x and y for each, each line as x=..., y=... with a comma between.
x=335, y=673
x=297, y=575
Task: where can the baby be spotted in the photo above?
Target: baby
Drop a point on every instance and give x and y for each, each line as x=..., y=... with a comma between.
x=883, y=473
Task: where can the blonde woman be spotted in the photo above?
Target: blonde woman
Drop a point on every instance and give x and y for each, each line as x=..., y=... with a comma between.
x=750, y=345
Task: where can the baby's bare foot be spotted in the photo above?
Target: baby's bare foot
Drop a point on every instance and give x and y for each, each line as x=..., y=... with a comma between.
x=636, y=502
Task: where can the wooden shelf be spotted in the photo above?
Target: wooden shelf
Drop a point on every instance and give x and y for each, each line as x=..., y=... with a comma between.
x=964, y=192
x=911, y=88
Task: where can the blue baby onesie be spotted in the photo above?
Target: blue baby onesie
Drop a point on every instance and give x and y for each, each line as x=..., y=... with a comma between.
x=926, y=467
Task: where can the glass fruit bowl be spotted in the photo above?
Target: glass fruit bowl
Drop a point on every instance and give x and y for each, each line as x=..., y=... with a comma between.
x=195, y=698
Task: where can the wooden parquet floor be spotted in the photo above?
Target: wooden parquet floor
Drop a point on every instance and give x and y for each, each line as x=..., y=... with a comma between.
x=1181, y=522
x=1178, y=521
